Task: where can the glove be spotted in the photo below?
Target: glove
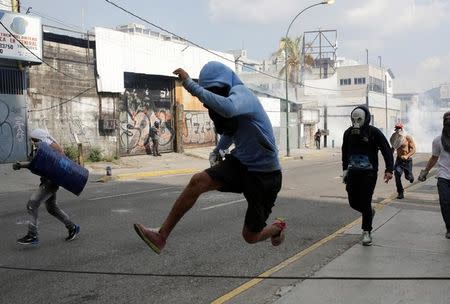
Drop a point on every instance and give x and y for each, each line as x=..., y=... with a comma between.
x=214, y=159
x=423, y=175
x=16, y=166
x=344, y=176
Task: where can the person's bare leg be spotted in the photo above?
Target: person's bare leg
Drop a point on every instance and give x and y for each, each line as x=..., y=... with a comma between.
x=254, y=237
x=199, y=183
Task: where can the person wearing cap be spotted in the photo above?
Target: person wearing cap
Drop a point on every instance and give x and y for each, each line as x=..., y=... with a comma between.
x=46, y=193
x=251, y=168
x=405, y=147
x=440, y=154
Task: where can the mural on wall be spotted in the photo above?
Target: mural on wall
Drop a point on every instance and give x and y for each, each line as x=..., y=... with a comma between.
x=13, y=144
x=198, y=129
x=146, y=99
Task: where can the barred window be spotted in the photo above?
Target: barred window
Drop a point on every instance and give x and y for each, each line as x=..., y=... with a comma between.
x=12, y=81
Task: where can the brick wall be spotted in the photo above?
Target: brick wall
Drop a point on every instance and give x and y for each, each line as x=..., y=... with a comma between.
x=68, y=106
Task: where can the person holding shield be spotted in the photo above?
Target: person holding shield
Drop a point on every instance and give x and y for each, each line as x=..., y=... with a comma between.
x=46, y=193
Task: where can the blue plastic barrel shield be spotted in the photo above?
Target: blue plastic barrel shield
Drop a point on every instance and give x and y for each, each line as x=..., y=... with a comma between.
x=59, y=169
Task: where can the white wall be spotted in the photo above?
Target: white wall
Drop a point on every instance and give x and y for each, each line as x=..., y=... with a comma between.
x=119, y=52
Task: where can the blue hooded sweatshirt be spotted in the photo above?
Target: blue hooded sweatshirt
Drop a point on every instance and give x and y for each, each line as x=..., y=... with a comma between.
x=254, y=140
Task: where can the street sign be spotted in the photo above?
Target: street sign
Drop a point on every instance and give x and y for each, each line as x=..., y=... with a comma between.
x=20, y=37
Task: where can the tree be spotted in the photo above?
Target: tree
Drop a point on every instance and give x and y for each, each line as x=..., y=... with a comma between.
x=294, y=60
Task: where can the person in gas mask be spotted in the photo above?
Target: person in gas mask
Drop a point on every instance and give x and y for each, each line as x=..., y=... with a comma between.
x=360, y=147
x=440, y=154
x=251, y=168
x=405, y=147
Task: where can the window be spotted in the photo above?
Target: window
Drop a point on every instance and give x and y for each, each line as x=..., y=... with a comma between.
x=13, y=82
x=361, y=80
x=345, y=81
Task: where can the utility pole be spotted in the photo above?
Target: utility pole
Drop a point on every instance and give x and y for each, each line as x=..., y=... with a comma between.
x=325, y=125
x=367, y=56
x=386, y=101
x=367, y=96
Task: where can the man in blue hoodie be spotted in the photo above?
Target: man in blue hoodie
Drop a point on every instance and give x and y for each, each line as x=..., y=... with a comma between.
x=252, y=168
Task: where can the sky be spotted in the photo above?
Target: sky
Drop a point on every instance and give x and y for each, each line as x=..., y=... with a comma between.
x=411, y=36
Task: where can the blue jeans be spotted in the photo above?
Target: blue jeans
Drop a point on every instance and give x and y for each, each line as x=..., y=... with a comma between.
x=401, y=166
x=46, y=193
x=443, y=186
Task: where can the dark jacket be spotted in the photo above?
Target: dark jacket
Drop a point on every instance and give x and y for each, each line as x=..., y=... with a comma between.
x=366, y=143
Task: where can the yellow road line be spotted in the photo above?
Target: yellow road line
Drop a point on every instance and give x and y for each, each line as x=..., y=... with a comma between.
x=228, y=296
x=283, y=264
x=137, y=175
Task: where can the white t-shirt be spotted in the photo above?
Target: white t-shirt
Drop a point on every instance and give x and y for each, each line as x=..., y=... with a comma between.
x=443, y=169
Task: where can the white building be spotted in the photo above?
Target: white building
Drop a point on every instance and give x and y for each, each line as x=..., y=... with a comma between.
x=334, y=98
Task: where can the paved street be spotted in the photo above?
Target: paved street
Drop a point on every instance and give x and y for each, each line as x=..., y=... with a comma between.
x=106, y=264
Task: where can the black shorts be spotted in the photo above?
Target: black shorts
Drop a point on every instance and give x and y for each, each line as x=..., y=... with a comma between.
x=260, y=189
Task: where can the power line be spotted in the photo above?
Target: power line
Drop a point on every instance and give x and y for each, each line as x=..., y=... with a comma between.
x=53, y=19
x=214, y=53
x=65, y=101
x=49, y=65
x=212, y=276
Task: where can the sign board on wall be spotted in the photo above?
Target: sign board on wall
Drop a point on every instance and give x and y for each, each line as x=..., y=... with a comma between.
x=21, y=27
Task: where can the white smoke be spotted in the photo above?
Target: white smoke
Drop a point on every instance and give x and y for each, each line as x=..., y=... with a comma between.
x=424, y=122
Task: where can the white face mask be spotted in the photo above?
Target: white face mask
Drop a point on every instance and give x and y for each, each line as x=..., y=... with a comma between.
x=358, y=118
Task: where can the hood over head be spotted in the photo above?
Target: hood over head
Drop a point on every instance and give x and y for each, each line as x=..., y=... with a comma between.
x=216, y=74
x=367, y=115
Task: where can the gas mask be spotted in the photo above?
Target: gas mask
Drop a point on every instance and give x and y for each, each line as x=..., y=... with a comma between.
x=358, y=118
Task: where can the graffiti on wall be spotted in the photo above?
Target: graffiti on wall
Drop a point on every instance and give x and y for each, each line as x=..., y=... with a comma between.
x=13, y=143
x=71, y=129
x=198, y=129
x=138, y=110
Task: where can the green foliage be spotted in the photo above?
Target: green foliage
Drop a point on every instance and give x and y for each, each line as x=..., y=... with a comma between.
x=71, y=152
x=95, y=155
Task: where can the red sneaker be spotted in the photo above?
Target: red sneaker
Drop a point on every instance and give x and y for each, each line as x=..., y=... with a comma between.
x=151, y=237
x=279, y=238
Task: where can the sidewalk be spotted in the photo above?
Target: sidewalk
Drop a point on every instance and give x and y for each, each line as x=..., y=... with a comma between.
x=408, y=241
x=141, y=166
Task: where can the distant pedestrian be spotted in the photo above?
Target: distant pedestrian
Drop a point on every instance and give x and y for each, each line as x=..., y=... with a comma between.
x=405, y=147
x=317, y=139
x=360, y=147
x=440, y=154
x=46, y=193
x=252, y=167
x=153, y=136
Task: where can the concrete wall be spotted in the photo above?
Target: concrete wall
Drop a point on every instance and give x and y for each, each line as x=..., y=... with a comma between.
x=68, y=105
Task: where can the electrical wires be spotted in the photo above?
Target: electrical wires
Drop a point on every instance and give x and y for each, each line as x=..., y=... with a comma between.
x=218, y=55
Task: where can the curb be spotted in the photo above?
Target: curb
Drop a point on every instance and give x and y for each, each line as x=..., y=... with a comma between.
x=146, y=174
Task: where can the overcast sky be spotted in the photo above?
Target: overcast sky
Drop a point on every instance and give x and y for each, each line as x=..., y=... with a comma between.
x=411, y=36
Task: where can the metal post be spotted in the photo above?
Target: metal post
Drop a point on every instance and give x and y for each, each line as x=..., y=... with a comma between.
x=367, y=96
x=287, y=100
x=286, y=69
x=386, y=101
x=325, y=125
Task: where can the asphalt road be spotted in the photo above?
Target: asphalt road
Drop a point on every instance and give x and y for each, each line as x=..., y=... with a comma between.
x=108, y=263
